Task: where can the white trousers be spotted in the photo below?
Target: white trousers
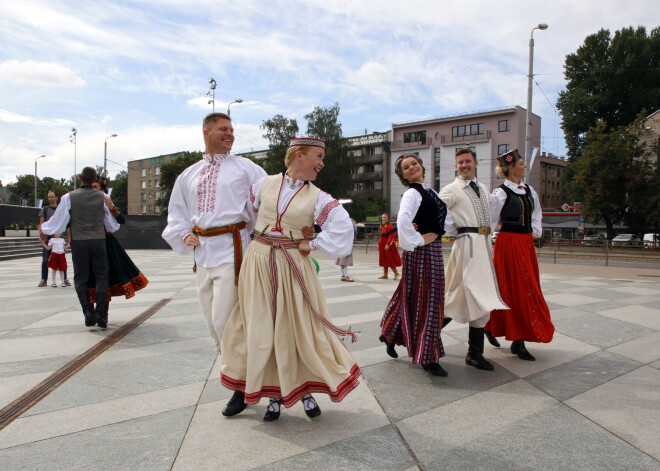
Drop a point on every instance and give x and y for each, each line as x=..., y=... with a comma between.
x=217, y=294
x=481, y=322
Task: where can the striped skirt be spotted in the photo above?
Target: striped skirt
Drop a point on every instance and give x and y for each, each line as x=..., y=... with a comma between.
x=413, y=317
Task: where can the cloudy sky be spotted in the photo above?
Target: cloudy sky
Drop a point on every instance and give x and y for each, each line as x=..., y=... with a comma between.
x=140, y=69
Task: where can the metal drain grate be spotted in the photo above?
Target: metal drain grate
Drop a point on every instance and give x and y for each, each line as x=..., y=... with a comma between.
x=12, y=411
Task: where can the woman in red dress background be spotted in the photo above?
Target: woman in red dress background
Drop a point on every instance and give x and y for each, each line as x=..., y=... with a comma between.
x=388, y=253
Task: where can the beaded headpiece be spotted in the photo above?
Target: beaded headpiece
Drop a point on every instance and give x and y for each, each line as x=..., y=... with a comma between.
x=307, y=141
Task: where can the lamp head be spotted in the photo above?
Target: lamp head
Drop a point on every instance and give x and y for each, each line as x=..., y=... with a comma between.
x=240, y=100
x=542, y=26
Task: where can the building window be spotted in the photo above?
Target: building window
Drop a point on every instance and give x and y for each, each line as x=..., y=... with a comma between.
x=357, y=153
x=144, y=185
x=360, y=169
x=149, y=170
x=157, y=195
x=157, y=170
x=504, y=125
x=378, y=185
x=417, y=136
x=467, y=130
x=378, y=168
x=436, y=169
x=151, y=208
x=157, y=209
x=143, y=197
x=144, y=172
x=149, y=182
x=502, y=149
x=149, y=195
x=143, y=208
x=378, y=151
x=157, y=183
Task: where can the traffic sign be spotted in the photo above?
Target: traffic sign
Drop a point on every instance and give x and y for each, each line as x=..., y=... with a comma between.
x=565, y=206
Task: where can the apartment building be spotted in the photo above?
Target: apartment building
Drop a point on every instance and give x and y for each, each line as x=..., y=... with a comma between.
x=371, y=178
x=489, y=133
x=144, y=184
x=550, y=186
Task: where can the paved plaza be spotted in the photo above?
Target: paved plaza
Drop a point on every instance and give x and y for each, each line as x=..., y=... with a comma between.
x=153, y=400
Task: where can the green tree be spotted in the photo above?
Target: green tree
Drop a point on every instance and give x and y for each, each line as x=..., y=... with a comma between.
x=602, y=176
x=362, y=207
x=279, y=132
x=169, y=173
x=23, y=188
x=336, y=177
x=610, y=79
x=120, y=191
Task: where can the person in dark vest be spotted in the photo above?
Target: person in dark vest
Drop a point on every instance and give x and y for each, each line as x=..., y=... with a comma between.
x=414, y=315
x=90, y=219
x=44, y=215
x=515, y=205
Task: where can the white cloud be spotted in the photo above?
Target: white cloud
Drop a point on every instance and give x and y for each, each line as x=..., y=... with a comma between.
x=45, y=74
x=9, y=117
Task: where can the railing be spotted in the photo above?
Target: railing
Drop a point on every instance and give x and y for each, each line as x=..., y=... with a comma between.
x=606, y=250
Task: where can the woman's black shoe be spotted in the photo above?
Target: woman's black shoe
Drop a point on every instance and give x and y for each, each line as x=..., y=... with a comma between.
x=493, y=341
x=271, y=413
x=518, y=348
x=315, y=411
x=390, y=347
x=236, y=404
x=435, y=369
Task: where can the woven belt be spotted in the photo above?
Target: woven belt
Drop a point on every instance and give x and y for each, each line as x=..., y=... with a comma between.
x=235, y=230
x=477, y=230
x=286, y=244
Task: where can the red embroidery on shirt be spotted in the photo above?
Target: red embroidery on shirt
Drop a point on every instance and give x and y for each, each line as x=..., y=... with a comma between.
x=325, y=212
x=207, y=184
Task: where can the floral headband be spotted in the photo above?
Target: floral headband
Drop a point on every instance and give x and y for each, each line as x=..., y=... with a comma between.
x=508, y=158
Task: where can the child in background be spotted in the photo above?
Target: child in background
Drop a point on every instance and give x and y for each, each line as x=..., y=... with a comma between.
x=57, y=259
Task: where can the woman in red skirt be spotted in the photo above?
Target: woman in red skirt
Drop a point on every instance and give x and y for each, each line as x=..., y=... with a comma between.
x=515, y=205
x=388, y=254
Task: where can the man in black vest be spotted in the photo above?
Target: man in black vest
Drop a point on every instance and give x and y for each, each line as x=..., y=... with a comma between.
x=90, y=219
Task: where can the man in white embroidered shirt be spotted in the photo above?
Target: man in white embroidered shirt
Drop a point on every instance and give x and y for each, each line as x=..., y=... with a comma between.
x=208, y=213
x=471, y=289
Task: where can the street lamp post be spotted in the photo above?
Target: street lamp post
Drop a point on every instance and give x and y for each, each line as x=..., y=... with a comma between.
x=73, y=138
x=530, y=78
x=35, y=178
x=211, y=92
x=105, y=156
x=240, y=100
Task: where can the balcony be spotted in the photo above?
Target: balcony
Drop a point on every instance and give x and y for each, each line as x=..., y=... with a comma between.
x=472, y=138
x=368, y=176
x=399, y=144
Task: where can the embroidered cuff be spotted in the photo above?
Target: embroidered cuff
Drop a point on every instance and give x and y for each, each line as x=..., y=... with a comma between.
x=185, y=234
x=312, y=244
x=114, y=211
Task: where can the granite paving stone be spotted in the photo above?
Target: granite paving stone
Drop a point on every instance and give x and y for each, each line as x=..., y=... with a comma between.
x=600, y=331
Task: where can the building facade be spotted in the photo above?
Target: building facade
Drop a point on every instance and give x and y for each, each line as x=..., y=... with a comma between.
x=488, y=133
x=371, y=178
x=550, y=183
x=144, y=184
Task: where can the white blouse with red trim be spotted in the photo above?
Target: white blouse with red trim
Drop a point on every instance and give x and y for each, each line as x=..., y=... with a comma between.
x=336, y=237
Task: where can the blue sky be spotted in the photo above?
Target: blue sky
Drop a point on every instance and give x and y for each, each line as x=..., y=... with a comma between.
x=140, y=69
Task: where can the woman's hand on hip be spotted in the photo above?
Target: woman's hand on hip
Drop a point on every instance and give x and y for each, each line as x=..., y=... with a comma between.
x=429, y=237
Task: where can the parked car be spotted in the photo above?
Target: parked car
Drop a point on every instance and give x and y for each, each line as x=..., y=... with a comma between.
x=594, y=240
x=626, y=239
x=651, y=241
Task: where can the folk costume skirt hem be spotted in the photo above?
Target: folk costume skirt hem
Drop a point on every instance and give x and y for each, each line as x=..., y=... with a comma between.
x=414, y=315
x=57, y=261
x=281, y=349
x=518, y=276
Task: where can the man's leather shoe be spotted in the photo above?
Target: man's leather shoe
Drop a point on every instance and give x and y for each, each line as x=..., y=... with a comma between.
x=478, y=361
x=236, y=404
x=492, y=340
x=100, y=321
x=435, y=369
x=89, y=317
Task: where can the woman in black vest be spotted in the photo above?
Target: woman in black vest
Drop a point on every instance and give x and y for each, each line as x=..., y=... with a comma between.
x=415, y=313
x=516, y=206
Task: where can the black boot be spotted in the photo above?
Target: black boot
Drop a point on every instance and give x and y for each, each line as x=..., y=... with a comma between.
x=390, y=347
x=493, y=341
x=475, y=355
x=236, y=404
x=518, y=348
x=435, y=369
x=89, y=315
